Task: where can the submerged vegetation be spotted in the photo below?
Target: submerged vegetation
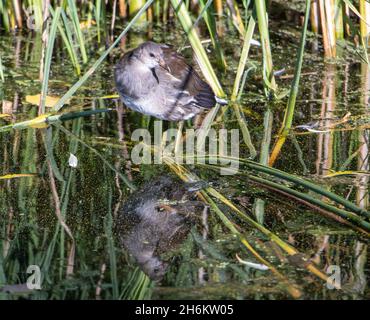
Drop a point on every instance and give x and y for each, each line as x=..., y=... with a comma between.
x=278, y=227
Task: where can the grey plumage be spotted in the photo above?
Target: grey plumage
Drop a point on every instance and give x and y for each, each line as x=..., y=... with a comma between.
x=153, y=79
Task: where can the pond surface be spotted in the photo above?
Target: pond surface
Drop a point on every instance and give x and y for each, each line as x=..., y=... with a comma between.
x=85, y=259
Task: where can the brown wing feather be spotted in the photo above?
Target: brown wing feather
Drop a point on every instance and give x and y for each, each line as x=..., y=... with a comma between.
x=190, y=80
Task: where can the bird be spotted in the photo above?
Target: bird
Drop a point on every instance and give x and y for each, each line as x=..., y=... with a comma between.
x=156, y=219
x=154, y=79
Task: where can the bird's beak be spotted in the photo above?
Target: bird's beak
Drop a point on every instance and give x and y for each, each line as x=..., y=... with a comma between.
x=163, y=64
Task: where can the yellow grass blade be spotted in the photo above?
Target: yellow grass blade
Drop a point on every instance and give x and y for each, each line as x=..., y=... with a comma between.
x=50, y=101
x=17, y=175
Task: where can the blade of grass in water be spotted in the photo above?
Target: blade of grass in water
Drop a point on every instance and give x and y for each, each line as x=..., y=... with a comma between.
x=62, y=221
x=243, y=58
x=259, y=205
x=365, y=26
x=203, y=61
x=268, y=73
x=245, y=131
x=201, y=55
x=37, y=10
x=329, y=13
x=289, y=112
x=48, y=56
x=338, y=16
x=98, y=5
x=111, y=249
x=138, y=286
x=357, y=13
x=49, y=153
x=46, y=119
x=97, y=63
x=68, y=40
x=76, y=24
x=5, y=16
x=239, y=114
x=244, y=80
x=236, y=17
x=209, y=18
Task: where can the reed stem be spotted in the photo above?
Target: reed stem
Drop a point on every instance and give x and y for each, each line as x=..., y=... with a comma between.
x=289, y=112
x=365, y=22
x=201, y=55
x=314, y=16
x=268, y=72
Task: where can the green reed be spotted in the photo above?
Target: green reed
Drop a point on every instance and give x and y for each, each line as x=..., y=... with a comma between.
x=268, y=72
x=210, y=20
x=48, y=57
x=289, y=112
x=202, y=58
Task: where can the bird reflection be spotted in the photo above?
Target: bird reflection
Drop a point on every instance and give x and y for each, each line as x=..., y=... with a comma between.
x=156, y=219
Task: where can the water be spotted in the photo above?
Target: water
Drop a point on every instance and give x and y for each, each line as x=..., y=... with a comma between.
x=92, y=264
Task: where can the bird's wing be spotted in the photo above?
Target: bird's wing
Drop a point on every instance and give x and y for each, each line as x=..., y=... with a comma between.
x=188, y=81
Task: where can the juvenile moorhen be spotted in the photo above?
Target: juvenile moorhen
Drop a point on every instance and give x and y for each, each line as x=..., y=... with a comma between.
x=154, y=79
x=156, y=219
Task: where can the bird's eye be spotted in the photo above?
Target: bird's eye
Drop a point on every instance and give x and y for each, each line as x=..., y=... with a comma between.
x=152, y=55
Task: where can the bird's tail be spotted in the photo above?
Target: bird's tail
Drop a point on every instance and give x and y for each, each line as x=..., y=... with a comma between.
x=222, y=102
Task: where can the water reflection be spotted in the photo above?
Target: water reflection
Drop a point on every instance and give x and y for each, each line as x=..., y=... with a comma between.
x=363, y=163
x=362, y=193
x=156, y=219
x=325, y=140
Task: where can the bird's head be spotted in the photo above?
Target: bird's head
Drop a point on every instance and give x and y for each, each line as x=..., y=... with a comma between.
x=151, y=55
x=155, y=268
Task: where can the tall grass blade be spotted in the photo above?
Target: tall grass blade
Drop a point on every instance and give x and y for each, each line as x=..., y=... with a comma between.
x=48, y=56
x=259, y=205
x=209, y=18
x=201, y=55
x=244, y=128
x=243, y=58
x=67, y=39
x=268, y=73
x=72, y=9
x=98, y=5
x=365, y=21
x=236, y=17
x=289, y=112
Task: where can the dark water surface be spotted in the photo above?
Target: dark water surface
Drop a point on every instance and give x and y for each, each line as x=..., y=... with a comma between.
x=203, y=265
